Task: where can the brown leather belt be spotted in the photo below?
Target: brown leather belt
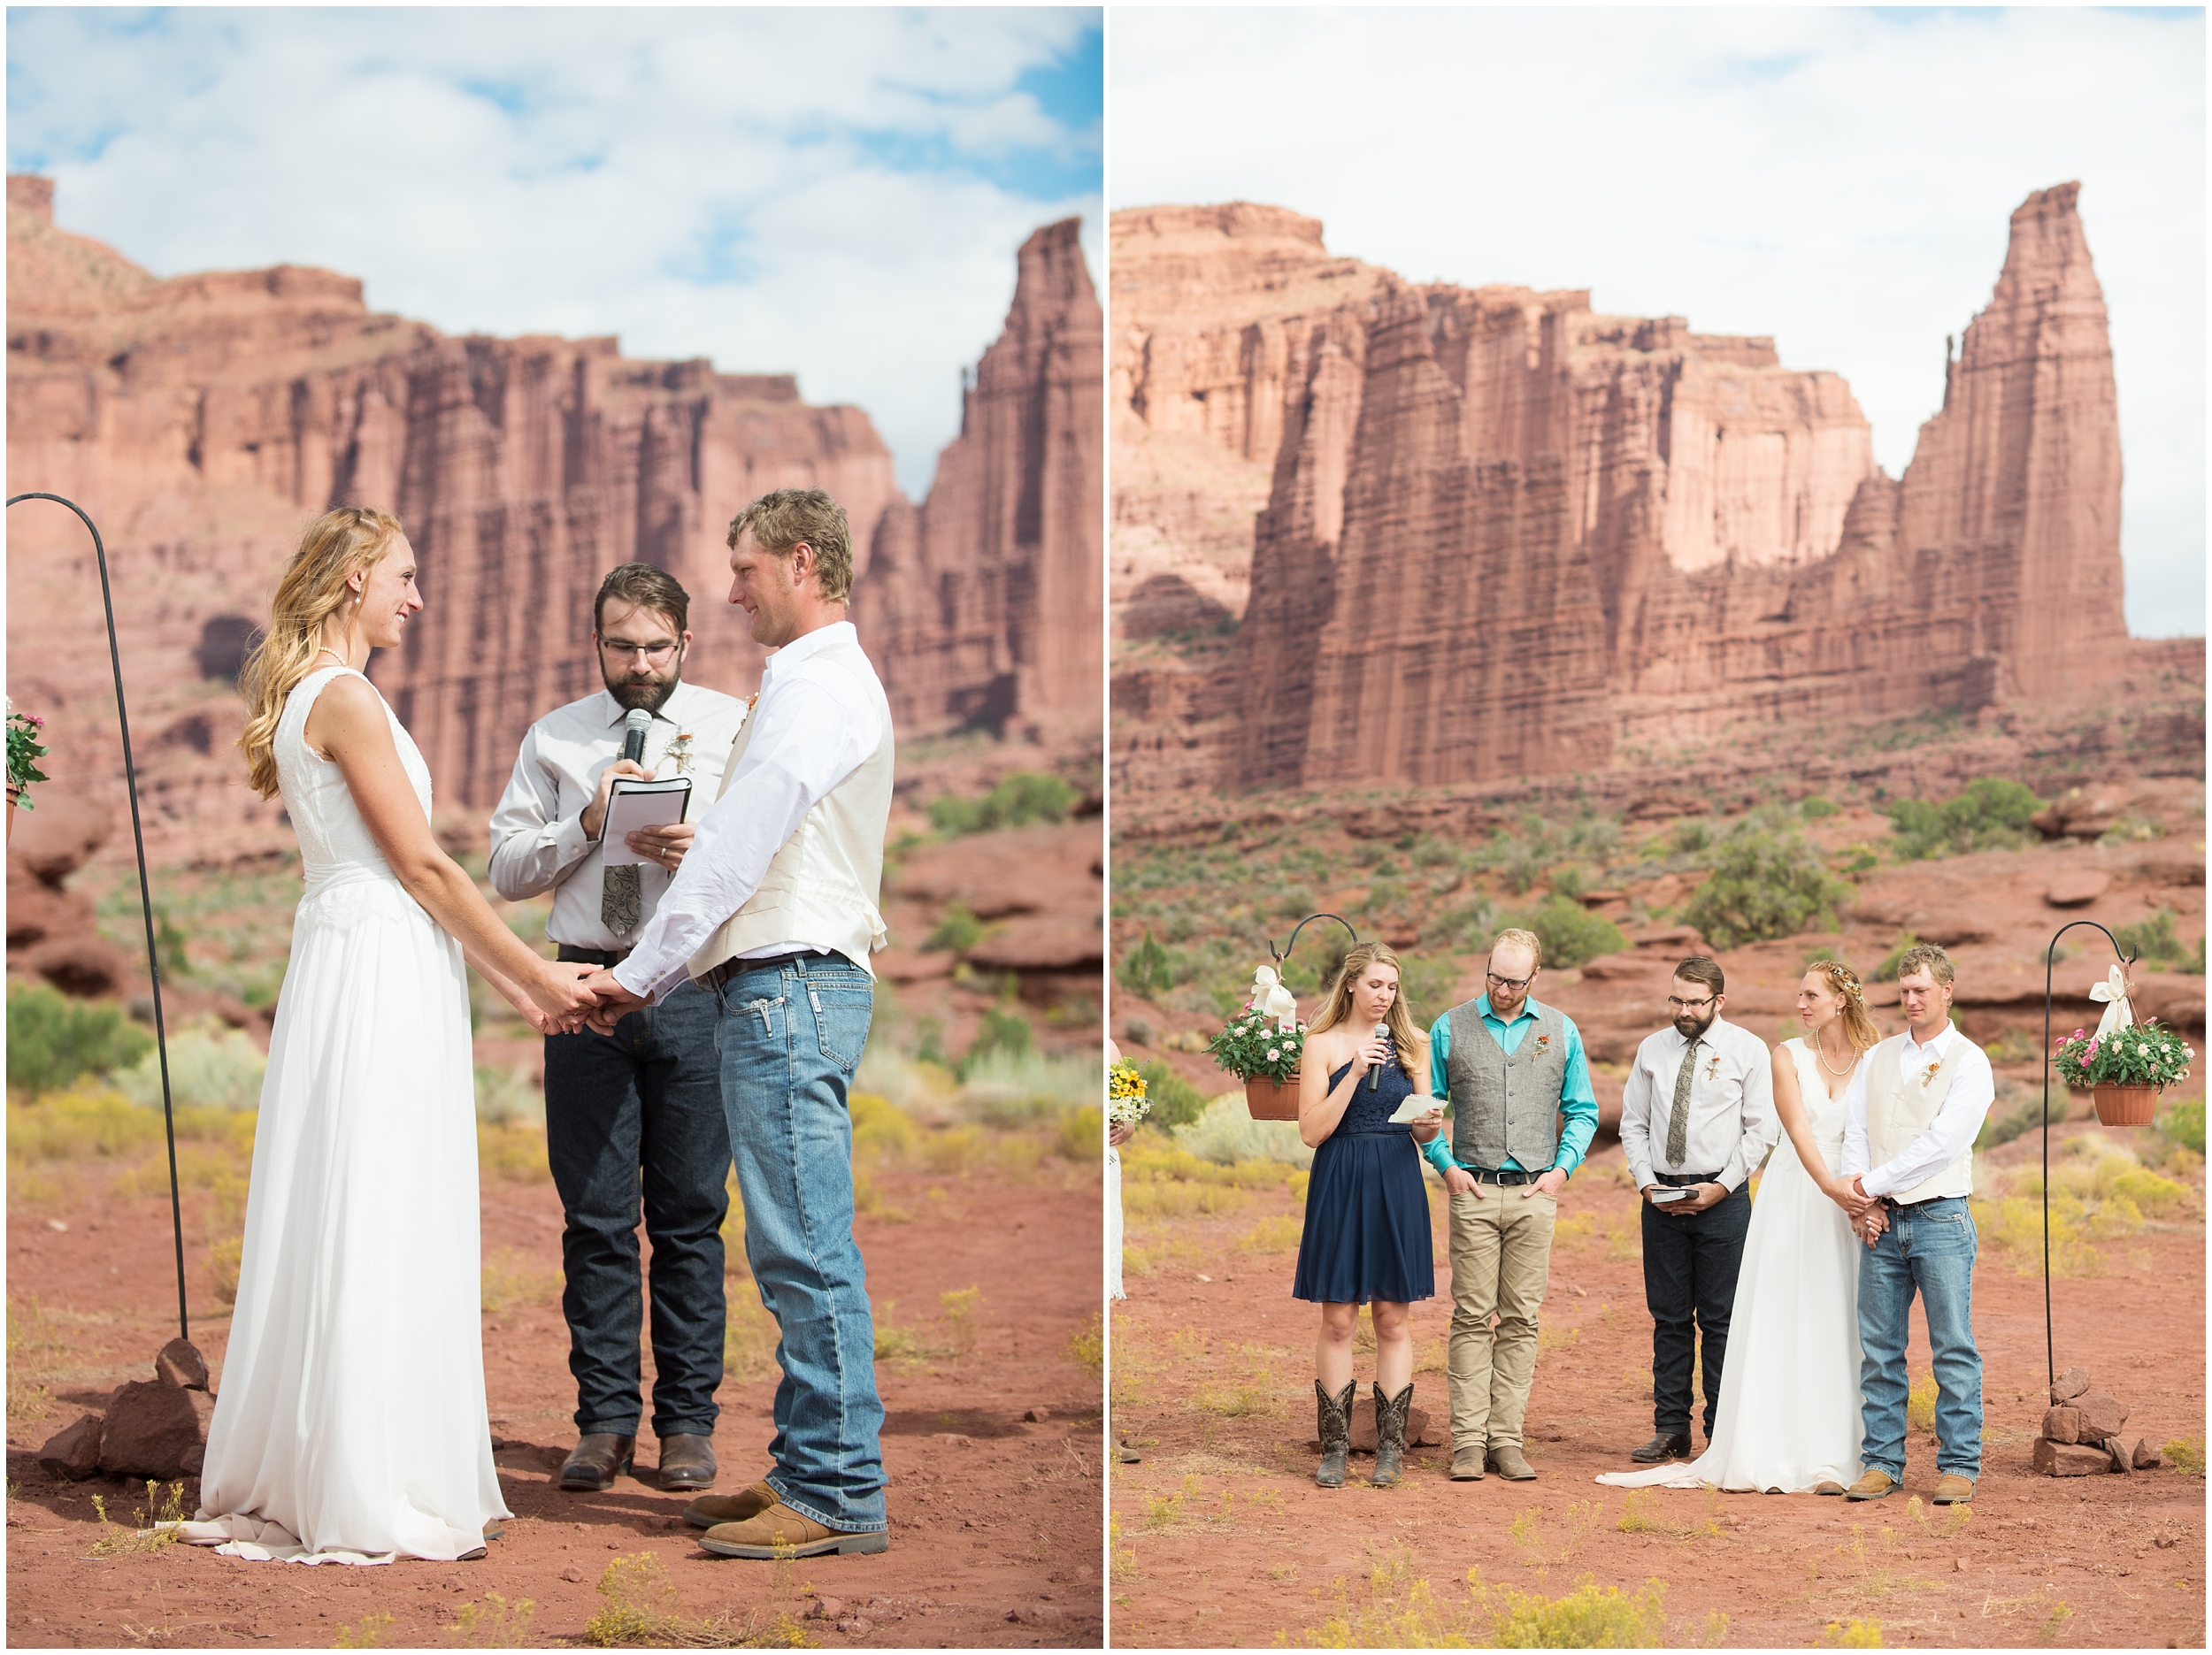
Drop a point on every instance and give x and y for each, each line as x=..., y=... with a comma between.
x=734, y=967
x=569, y=955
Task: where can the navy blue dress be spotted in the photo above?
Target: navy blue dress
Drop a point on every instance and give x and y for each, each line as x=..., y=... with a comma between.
x=1367, y=1211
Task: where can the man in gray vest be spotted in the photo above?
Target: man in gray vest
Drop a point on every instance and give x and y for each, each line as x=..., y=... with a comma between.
x=1522, y=1114
x=774, y=912
x=1908, y=1151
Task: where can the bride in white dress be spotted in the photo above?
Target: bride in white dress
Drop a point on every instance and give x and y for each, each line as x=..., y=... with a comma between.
x=1788, y=1419
x=351, y=1425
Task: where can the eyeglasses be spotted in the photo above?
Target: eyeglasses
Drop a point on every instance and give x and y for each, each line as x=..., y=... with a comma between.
x=1687, y=1005
x=1514, y=983
x=656, y=653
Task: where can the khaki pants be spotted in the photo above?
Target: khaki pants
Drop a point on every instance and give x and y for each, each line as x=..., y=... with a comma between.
x=1501, y=1262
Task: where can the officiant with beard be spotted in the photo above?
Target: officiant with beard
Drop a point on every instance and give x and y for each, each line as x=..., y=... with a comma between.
x=637, y=1112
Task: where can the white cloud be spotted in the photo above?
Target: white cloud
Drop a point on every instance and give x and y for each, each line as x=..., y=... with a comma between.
x=1840, y=179
x=834, y=193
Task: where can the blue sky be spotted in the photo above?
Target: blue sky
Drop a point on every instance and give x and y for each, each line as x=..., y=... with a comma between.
x=1839, y=179
x=838, y=194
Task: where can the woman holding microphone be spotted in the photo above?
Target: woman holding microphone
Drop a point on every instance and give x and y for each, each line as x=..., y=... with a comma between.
x=1366, y=1238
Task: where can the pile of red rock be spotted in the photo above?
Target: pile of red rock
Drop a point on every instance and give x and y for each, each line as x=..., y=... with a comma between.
x=2081, y=1432
x=154, y=1428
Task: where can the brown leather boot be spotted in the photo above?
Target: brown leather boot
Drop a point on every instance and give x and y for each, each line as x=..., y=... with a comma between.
x=596, y=1461
x=1336, y=1433
x=686, y=1463
x=714, y=1509
x=1390, y=1436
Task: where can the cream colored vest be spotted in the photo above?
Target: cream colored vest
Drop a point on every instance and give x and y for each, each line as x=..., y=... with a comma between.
x=822, y=886
x=1899, y=1107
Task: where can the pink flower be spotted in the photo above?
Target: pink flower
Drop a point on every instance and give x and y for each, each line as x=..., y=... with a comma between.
x=2091, y=1050
x=1273, y=1052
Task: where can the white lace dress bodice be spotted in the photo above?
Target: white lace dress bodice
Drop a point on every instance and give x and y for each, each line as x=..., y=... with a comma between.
x=337, y=851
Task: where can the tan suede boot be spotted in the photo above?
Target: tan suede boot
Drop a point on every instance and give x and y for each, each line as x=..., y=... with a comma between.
x=713, y=1509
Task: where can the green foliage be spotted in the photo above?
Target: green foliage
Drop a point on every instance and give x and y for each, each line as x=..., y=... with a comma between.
x=2141, y=1054
x=2155, y=941
x=1226, y=1134
x=1990, y=814
x=2017, y=1110
x=52, y=1039
x=1175, y=1101
x=1024, y=796
x=2187, y=1453
x=1003, y=1030
x=1767, y=881
x=209, y=1069
x=958, y=931
x=1691, y=836
x=1570, y=932
x=1853, y=1635
x=1813, y=808
x=1086, y=1346
x=24, y=752
x=1151, y=969
x=1253, y=1047
x=1425, y=986
x=2183, y=1124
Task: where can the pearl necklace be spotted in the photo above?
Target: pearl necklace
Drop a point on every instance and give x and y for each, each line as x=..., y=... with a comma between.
x=1822, y=1056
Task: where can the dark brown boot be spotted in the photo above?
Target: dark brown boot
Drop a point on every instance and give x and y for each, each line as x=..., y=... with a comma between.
x=686, y=1463
x=1336, y=1433
x=1390, y=1436
x=596, y=1461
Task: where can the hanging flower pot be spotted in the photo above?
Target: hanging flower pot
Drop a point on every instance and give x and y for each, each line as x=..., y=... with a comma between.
x=2126, y=1105
x=1272, y=1099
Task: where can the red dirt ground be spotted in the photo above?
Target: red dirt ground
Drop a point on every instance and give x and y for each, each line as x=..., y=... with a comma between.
x=2125, y=1555
x=995, y=1519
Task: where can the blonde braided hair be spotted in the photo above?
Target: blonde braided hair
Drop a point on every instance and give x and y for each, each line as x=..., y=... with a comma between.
x=1845, y=983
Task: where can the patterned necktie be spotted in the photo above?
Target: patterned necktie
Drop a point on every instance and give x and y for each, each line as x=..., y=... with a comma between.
x=1678, y=1127
x=618, y=899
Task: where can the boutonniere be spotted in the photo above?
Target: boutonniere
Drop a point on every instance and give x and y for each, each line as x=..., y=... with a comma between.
x=1543, y=1043
x=680, y=751
x=752, y=700
x=1712, y=1068
x=1929, y=1074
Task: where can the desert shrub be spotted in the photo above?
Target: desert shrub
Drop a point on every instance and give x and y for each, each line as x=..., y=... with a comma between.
x=1007, y=1087
x=958, y=931
x=1813, y=808
x=1990, y=814
x=505, y=1095
x=218, y=1069
x=2017, y=1109
x=508, y=1279
x=52, y=1039
x=1691, y=836
x=2183, y=1124
x=1425, y=982
x=1082, y=1134
x=2154, y=940
x=1151, y=968
x=1175, y=1101
x=1226, y=1134
x=1570, y=932
x=1144, y=1163
x=1767, y=881
x=1885, y=969
x=513, y=1151
x=1467, y=926
x=1024, y=796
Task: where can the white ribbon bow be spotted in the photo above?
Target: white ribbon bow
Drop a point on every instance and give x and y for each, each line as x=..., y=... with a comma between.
x=2118, y=1013
x=1272, y=998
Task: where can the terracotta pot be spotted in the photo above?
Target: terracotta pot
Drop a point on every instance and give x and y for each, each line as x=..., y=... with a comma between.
x=2126, y=1105
x=11, y=799
x=1272, y=1099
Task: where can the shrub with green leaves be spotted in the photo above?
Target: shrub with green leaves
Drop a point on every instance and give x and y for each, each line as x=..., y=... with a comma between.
x=52, y=1039
x=1175, y=1101
x=2183, y=1124
x=956, y=933
x=1990, y=814
x=1766, y=881
x=1812, y=806
x=1886, y=971
x=2155, y=941
x=209, y=1069
x=1570, y=932
x=1151, y=969
x=1025, y=796
x=1003, y=1030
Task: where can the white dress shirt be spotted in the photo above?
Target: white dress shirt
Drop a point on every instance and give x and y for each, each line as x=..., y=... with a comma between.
x=813, y=726
x=1733, y=1122
x=538, y=841
x=1944, y=1140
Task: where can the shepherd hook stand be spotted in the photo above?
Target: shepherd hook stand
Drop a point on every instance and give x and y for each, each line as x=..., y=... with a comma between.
x=1282, y=954
x=145, y=897
x=2050, y=964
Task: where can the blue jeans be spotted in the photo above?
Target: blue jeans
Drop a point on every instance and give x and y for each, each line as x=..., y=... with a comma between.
x=1928, y=1249
x=790, y=1037
x=639, y=1112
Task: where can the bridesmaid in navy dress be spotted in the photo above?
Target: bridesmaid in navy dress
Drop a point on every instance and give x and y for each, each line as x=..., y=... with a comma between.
x=1366, y=1238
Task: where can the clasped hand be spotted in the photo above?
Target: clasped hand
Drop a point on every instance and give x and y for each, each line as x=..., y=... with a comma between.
x=1868, y=1217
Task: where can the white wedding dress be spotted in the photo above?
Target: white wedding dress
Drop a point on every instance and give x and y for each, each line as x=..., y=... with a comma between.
x=350, y=1424
x=1788, y=1417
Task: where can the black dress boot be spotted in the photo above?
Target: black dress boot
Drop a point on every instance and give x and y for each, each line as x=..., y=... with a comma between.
x=1390, y=1435
x=1336, y=1433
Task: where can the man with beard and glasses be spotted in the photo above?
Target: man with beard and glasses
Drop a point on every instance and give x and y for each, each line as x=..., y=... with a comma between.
x=641, y=1108
x=1697, y=1115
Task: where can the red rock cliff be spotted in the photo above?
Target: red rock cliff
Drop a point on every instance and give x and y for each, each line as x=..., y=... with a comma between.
x=202, y=420
x=1503, y=534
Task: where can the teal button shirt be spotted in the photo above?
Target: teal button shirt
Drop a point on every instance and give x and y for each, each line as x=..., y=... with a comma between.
x=1577, y=1104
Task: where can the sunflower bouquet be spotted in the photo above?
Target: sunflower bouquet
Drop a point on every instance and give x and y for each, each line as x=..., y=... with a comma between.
x=1125, y=1100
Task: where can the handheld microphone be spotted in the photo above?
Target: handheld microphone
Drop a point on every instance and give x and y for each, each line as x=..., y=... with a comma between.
x=634, y=738
x=1374, y=1075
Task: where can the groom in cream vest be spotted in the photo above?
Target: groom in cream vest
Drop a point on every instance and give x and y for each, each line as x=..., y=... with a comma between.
x=1908, y=1151
x=774, y=912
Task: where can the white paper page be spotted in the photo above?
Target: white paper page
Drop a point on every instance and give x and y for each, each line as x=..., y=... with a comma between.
x=636, y=805
x=1414, y=1107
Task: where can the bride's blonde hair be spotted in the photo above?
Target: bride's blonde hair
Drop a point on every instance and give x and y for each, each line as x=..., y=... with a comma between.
x=339, y=544
x=1843, y=982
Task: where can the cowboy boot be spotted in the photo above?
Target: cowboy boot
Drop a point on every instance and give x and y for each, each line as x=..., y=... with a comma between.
x=1390, y=1435
x=1336, y=1433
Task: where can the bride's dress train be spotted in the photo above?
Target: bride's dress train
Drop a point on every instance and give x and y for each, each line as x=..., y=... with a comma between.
x=1788, y=1417
x=351, y=1425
